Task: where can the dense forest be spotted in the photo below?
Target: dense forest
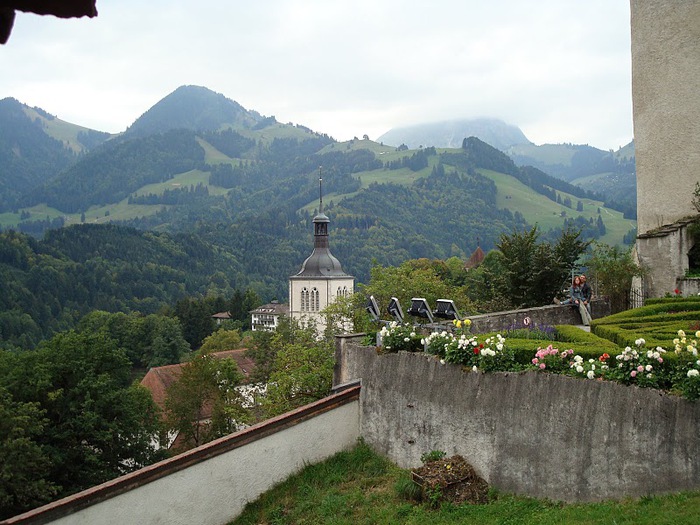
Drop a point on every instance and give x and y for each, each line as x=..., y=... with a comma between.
x=50, y=284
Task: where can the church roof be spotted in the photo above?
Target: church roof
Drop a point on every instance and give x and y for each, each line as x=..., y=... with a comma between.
x=476, y=258
x=321, y=262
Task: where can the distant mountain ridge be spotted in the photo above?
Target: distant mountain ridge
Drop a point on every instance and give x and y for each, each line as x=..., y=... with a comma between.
x=195, y=108
x=606, y=172
x=451, y=133
x=198, y=152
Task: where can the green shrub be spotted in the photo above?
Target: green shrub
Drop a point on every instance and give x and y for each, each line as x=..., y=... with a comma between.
x=433, y=455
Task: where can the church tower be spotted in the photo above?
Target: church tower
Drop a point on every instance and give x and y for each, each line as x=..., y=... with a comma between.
x=321, y=278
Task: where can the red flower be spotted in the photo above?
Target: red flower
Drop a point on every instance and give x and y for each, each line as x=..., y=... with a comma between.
x=677, y=291
x=604, y=358
x=476, y=351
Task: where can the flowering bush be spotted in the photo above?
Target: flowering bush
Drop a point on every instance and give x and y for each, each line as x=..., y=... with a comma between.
x=687, y=376
x=462, y=325
x=436, y=343
x=639, y=366
x=551, y=359
x=494, y=355
x=591, y=369
x=490, y=356
x=397, y=337
x=462, y=350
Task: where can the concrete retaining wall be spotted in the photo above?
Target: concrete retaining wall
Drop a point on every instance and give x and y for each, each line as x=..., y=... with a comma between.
x=211, y=484
x=530, y=433
x=540, y=316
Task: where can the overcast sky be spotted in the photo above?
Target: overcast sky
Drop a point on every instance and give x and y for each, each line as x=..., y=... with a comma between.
x=558, y=69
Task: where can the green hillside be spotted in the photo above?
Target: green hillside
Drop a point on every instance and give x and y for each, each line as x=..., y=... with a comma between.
x=77, y=138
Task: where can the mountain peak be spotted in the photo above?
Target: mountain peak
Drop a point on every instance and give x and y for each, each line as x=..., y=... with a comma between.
x=195, y=108
x=451, y=133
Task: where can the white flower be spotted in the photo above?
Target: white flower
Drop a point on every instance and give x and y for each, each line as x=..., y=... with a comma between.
x=500, y=347
x=639, y=342
x=442, y=361
x=579, y=369
x=648, y=368
x=475, y=369
x=591, y=374
x=406, y=339
x=697, y=334
x=681, y=334
x=693, y=373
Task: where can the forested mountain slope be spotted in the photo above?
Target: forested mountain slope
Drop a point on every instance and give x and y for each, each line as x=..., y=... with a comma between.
x=48, y=285
x=34, y=147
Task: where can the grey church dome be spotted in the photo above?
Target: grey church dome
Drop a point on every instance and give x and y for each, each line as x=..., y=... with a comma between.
x=321, y=262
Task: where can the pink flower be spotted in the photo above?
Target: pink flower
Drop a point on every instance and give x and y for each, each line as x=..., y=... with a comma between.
x=535, y=361
x=542, y=366
x=640, y=368
x=633, y=373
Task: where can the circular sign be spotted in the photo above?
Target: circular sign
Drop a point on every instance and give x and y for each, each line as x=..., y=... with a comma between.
x=526, y=321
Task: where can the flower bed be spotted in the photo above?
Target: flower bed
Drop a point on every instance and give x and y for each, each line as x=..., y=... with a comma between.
x=676, y=370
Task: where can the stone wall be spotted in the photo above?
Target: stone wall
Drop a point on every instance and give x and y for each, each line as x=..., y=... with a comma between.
x=665, y=41
x=549, y=315
x=665, y=253
x=531, y=433
x=666, y=107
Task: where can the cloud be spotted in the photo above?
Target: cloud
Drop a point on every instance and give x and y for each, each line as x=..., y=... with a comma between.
x=559, y=69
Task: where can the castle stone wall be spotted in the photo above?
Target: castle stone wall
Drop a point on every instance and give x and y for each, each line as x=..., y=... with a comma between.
x=666, y=107
x=531, y=433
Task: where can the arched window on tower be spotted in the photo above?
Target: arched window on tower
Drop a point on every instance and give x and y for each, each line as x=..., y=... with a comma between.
x=304, y=300
x=315, y=300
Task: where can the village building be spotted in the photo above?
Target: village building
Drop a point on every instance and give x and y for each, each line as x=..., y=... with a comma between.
x=160, y=378
x=267, y=317
x=220, y=317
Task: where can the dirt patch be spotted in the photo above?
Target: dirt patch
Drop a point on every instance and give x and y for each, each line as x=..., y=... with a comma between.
x=451, y=479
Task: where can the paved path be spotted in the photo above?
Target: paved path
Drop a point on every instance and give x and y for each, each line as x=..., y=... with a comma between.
x=583, y=327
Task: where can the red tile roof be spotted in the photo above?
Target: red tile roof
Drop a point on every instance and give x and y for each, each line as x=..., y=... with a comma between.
x=160, y=378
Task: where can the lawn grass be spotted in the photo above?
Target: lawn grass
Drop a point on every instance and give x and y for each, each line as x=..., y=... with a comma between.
x=360, y=487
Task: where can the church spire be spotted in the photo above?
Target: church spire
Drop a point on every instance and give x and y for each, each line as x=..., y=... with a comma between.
x=320, y=192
